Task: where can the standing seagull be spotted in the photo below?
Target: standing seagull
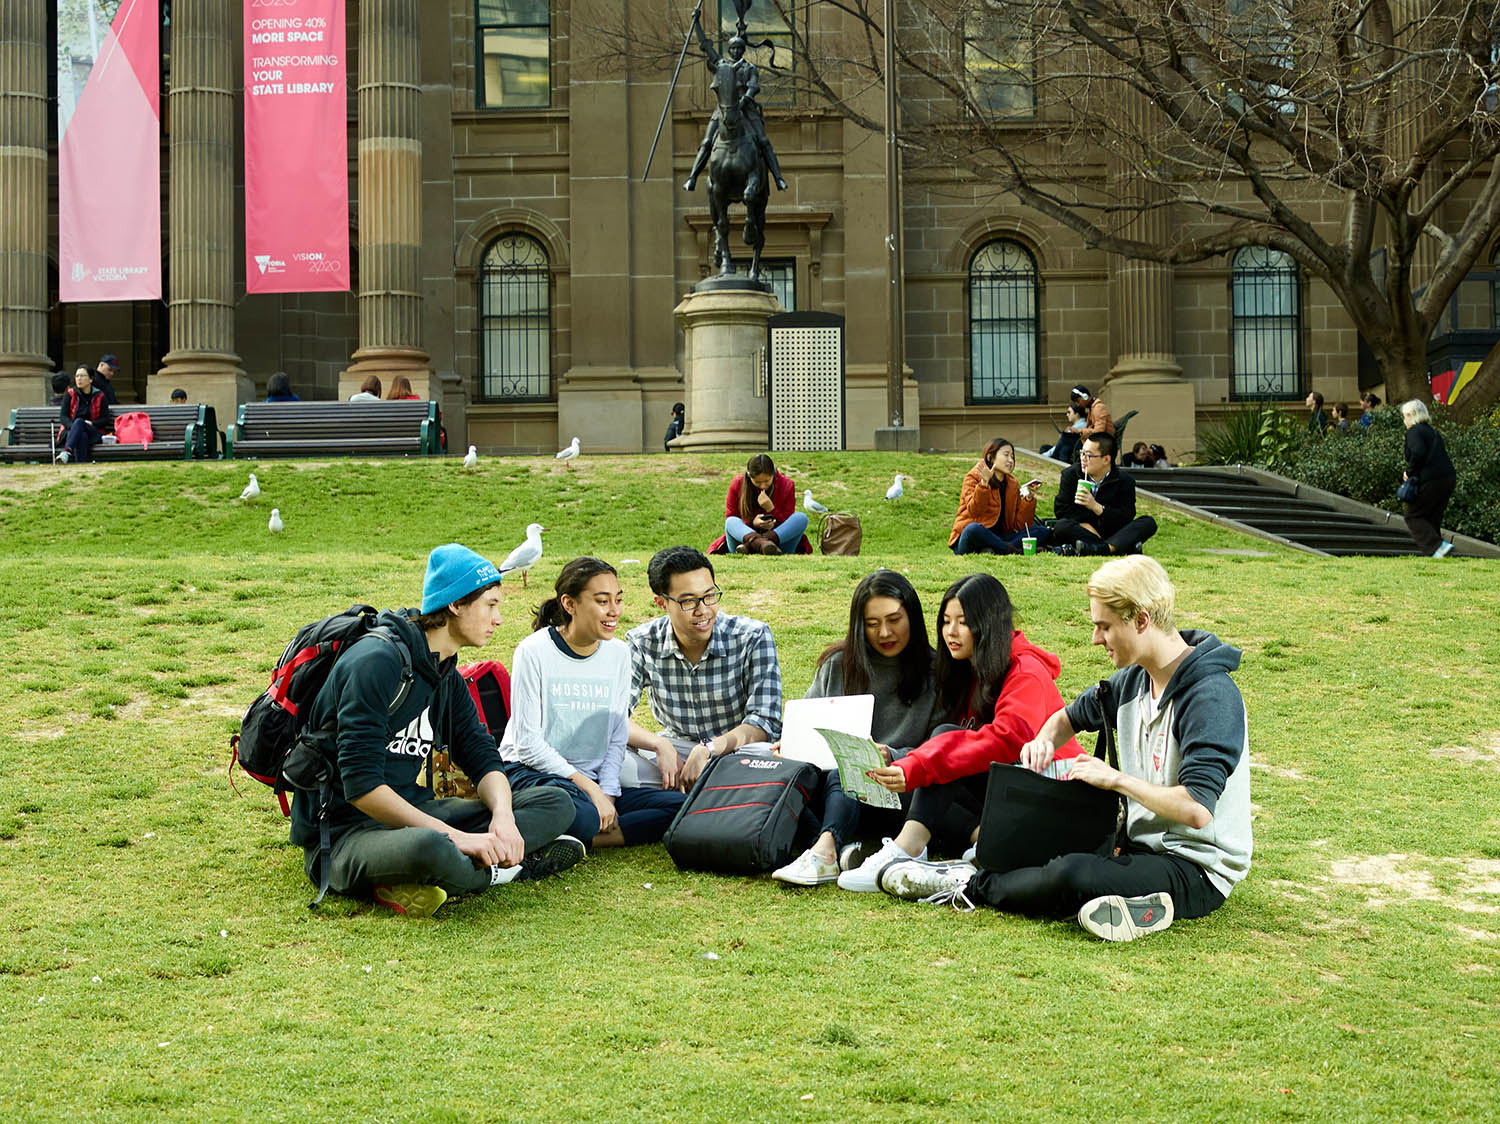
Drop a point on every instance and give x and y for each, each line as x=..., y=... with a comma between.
x=252, y=489
x=276, y=525
x=527, y=555
x=812, y=505
x=569, y=453
x=895, y=491
x=471, y=458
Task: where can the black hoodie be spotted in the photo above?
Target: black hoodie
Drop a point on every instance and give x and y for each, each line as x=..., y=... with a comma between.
x=377, y=746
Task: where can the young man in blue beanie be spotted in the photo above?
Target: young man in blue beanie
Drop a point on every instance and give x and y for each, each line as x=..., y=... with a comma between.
x=392, y=840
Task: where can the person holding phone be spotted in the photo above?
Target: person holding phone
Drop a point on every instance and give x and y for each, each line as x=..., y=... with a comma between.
x=760, y=513
x=995, y=510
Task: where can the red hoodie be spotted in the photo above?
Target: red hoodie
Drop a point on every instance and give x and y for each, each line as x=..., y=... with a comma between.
x=1029, y=697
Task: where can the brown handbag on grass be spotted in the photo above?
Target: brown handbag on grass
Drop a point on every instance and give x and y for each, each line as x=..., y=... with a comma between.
x=839, y=533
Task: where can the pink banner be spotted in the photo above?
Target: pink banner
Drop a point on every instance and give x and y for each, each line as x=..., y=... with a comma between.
x=296, y=147
x=109, y=155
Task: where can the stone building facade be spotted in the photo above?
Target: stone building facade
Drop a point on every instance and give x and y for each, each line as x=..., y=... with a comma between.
x=510, y=259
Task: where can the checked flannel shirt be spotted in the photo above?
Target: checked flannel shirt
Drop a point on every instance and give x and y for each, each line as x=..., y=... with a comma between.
x=738, y=678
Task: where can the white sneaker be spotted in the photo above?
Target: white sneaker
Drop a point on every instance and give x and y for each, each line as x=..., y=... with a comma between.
x=851, y=856
x=1442, y=551
x=862, y=879
x=972, y=854
x=64, y=457
x=807, y=869
x=1117, y=918
x=935, y=883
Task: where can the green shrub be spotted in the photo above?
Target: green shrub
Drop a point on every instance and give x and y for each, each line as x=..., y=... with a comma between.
x=1254, y=433
x=1367, y=466
x=1363, y=464
x=1235, y=440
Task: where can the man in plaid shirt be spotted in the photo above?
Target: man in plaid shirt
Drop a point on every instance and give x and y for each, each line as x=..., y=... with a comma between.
x=714, y=679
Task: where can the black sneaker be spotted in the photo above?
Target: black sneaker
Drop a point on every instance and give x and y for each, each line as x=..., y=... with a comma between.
x=1117, y=918
x=552, y=858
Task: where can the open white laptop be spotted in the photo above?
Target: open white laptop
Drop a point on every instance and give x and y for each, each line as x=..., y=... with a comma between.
x=802, y=718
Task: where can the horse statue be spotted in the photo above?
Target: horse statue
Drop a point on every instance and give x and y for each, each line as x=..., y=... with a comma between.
x=737, y=173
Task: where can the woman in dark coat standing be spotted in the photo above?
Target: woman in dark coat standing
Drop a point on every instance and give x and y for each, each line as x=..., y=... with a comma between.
x=1427, y=463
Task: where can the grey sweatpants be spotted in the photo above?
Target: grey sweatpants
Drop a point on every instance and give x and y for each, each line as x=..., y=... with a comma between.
x=364, y=857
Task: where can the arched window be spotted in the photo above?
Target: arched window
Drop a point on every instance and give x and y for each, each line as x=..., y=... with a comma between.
x=515, y=320
x=1266, y=294
x=1004, y=329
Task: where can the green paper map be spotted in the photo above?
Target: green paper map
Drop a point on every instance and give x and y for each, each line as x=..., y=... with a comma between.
x=856, y=757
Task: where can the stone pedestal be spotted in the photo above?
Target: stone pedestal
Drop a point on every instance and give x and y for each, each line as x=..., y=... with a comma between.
x=724, y=346
x=206, y=381
x=601, y=406
x=1166, y=403
x=385, y=367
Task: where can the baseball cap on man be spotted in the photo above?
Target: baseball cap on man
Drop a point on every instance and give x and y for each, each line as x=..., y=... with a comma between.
x=453, y=572
x=109, y=361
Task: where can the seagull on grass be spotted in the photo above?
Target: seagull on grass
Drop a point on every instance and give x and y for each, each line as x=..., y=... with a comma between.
x=525, y=556
x=895, y=491
x=812, y=505
x=471, y=458
x=252, y=489
x=276, y=525
x=569, y=453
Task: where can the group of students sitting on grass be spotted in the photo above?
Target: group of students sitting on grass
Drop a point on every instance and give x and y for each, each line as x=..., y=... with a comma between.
x=573, y=767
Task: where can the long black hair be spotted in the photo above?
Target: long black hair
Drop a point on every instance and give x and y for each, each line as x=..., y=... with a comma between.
x=915, y=660
x=574, y=578
x=759, y=465
x=972, y=686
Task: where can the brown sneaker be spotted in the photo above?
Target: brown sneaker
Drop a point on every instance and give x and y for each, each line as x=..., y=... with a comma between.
x=770, y=544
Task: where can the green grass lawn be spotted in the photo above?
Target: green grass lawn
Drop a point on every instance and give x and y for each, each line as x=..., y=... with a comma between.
x=157, y=959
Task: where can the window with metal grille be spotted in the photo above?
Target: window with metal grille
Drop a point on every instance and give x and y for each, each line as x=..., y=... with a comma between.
x=782, y=274
x=1266, y=295
x=515, y=320
x=1004, y=329
x=515, y=59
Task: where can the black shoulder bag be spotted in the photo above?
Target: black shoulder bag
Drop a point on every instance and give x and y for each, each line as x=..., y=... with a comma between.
x=1029, y=819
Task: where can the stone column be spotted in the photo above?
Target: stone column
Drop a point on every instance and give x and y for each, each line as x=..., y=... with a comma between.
x=24, y=365
x=1145, y=376
x=390, y=196
x=202, y=228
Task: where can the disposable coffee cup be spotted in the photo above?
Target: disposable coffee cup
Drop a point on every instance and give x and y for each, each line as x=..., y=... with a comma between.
x=1028, y=545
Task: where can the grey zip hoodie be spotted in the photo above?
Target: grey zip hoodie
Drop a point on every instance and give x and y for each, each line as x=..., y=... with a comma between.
x=1199, y=739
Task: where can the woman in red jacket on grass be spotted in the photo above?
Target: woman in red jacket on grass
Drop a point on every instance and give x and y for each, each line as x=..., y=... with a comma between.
x=760, y=513
x=996, y=689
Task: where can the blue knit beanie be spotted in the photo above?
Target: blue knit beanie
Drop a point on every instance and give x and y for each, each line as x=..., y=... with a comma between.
x=454, y=572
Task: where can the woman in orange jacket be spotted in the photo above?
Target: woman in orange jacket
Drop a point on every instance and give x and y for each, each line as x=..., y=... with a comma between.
x=995, y=510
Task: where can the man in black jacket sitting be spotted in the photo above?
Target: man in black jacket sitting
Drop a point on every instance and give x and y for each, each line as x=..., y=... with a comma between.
x=1095, y=505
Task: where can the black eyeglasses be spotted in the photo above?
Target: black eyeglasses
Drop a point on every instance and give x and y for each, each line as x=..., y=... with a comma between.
x=690, y=604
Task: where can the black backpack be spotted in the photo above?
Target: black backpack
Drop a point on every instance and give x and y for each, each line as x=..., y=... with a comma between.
x=741, y=817
x=274, y=747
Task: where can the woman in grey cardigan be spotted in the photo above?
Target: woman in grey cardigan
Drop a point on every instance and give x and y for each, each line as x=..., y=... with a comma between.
x=886, y=653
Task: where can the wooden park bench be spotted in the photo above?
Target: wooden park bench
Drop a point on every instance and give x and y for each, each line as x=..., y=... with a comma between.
x=321, y=429
x=178, y=433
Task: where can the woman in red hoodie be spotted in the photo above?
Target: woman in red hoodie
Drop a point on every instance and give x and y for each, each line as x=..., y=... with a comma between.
x=996, y=689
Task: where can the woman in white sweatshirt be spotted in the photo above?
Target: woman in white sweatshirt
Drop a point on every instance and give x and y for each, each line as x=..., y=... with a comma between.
x=570, y=684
